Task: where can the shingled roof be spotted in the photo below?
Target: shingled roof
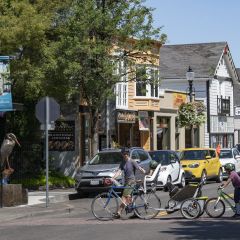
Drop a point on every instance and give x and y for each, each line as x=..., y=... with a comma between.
x=202, y=57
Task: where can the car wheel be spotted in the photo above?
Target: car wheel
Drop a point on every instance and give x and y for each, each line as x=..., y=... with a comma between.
x=220, y=176
x=204, y=177
x=169, y=181
x=183, y=182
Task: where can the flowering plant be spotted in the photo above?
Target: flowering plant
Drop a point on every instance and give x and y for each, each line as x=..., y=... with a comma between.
x=192, y=113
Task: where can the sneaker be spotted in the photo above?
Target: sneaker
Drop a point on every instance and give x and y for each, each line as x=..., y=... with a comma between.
x=116, y=215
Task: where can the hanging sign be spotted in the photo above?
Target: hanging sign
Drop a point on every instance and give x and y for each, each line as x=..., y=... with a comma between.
x=143, y=121
x=5, y=85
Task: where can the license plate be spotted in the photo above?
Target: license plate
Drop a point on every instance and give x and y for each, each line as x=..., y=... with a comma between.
x=94, y=182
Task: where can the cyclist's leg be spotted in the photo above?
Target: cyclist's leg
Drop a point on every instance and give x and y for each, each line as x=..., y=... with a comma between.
x=237, y=200
x=126, y=196
x=104, y=206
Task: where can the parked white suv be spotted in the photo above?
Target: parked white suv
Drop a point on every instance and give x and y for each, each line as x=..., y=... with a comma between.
x=230, y=155
x=171, y=170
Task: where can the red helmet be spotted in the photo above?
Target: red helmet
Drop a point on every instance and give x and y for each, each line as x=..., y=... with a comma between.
x=107, y=182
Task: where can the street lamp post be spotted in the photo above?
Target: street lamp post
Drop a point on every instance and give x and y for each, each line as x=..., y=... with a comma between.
x=190, y=78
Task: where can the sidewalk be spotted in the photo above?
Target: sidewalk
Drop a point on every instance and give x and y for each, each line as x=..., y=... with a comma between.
x=58, y=202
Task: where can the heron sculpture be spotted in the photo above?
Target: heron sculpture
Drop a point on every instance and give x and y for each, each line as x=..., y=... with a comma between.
x=6, y=149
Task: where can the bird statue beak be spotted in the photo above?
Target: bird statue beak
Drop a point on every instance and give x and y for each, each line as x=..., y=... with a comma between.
x=17, y=143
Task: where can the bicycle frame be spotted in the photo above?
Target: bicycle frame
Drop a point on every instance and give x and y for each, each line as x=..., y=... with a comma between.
x=114, y=193
x=224, y=196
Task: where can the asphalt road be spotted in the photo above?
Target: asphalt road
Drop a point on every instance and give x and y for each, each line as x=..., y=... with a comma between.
x=80, y=224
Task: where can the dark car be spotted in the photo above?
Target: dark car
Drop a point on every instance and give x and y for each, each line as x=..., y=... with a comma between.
x=104, y=164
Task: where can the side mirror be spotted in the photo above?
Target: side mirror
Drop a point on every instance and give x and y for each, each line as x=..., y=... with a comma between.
x=208, y=157
x=237, y=156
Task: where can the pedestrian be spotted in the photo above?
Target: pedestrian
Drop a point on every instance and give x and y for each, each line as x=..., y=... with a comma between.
x=128, y=167
x=218, y=149
x=235, y=179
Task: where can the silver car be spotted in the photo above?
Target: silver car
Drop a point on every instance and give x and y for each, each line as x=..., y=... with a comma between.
x=104, y=164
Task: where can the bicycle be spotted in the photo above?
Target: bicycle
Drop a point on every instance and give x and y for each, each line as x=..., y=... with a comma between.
x=145, y=203
x=215, y=207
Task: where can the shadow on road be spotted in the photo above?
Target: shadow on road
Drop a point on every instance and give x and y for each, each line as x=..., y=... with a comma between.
x=223, y=228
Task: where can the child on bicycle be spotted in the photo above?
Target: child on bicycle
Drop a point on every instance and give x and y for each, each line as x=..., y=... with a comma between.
x=235, y=179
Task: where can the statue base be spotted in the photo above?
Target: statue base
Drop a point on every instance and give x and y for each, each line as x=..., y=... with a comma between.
x=13, y=195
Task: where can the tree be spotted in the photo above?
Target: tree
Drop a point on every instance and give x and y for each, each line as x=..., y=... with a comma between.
x=191, y=114
x=83, y=56
x=64, y=49
x=25, y=32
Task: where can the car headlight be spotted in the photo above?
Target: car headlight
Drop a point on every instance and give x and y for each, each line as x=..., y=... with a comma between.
x=194, y=165
x=162, y=169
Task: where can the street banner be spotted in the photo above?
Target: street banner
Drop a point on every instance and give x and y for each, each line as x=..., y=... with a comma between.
x=143, y=121
x=5, y=85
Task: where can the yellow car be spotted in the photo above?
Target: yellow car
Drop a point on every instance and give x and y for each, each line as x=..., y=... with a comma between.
x=201, y=163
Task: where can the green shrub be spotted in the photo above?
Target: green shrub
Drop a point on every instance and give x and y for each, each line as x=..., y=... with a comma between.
x=55, y=180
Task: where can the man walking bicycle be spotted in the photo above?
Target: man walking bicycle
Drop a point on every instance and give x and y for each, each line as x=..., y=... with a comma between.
x=128, y=167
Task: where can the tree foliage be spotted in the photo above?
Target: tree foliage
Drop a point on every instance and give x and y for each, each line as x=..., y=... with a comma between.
x=192, y=113
x=63, y=48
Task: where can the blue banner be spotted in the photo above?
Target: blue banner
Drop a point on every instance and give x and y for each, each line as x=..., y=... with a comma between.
x=5, y=85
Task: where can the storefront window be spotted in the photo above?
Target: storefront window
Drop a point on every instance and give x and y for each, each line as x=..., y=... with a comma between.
x=225, y=140
x=163, y=133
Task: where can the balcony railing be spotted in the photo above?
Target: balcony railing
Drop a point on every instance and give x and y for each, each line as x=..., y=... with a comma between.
x=223, y=106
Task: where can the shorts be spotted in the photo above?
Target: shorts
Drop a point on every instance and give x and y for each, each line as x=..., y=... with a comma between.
x=128, y=191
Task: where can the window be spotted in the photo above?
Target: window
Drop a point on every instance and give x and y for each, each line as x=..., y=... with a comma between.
x=142, y=155
x=122, y=86
x=135, y=155
x=223, y=105
x=147, y=81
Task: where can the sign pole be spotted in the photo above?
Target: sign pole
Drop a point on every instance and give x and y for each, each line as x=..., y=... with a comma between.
x=46, y=146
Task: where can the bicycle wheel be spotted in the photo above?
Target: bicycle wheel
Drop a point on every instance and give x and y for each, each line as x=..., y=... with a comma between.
x=147, y=206
x=190, y=208
x=215, y=207
x=104, y=206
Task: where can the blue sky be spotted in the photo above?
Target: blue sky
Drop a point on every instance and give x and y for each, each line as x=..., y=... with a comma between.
x=199, y=21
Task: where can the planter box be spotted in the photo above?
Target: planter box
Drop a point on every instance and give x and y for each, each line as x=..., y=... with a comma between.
x=13, y=195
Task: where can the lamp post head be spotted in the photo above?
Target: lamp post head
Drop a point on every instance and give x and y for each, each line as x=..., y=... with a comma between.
x=190, y=75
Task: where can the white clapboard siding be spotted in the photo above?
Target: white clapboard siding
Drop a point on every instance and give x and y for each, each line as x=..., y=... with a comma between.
x=222, y=69
x=222, y=124
x=237, y=123
x=213, y=93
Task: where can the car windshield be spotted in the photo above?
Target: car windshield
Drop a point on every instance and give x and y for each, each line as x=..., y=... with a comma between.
x=160, y=157
x=194, y=155
x=107, y=158
x=225, y=154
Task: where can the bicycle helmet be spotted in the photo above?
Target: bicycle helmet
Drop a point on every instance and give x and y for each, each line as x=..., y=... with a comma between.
x=229, y=167
x=153, y=164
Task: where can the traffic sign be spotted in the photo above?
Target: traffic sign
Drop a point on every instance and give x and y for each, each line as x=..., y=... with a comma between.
x=50, y=104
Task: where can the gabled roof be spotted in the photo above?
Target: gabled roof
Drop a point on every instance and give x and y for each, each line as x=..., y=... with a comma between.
x=202, y=57
x=238, y=72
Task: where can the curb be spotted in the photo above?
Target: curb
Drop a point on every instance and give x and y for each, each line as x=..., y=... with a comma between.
x=37, y=210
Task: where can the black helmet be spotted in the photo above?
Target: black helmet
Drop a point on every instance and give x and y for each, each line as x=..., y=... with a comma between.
x=229, y=167
x=153, y=164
